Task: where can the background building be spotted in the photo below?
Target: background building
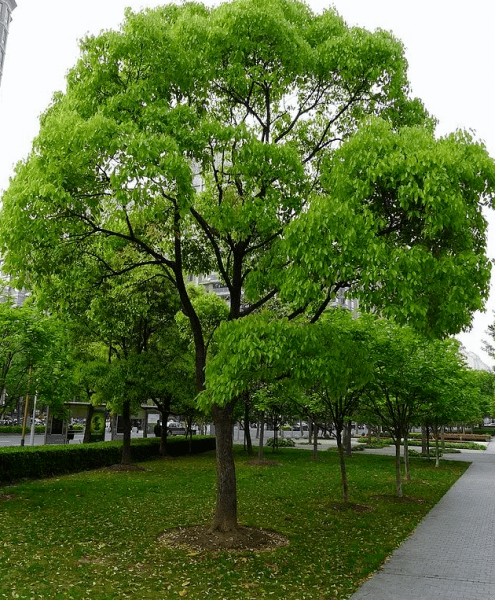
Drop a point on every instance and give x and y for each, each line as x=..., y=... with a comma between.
x=6, y=8
x=9, y=293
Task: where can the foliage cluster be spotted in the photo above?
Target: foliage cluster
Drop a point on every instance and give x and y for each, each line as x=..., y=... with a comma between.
x=33, y=357
x=280, y=442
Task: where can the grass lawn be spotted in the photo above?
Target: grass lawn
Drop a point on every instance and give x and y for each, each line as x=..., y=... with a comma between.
x=93, y=535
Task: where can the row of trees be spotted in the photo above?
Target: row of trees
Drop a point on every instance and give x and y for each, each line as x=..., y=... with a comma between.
x=366, y=369
x=277, y=147
x=115, y=348
x=346, y=368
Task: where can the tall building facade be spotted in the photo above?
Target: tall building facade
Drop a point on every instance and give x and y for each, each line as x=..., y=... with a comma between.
x=6, y=8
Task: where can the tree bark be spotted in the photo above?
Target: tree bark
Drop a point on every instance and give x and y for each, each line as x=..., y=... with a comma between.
x=126, y=446
x=423, y=440
x=315, y=441
x=343, y=470
x=247, y=432
x=87, y=428
x=225, y=518
x=262, y=435
x=406, y=458
x=164, y=433
x=398, y=480
x=348, y=444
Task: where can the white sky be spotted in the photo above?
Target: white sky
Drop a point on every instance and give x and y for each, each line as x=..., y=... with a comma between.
x=450, y=47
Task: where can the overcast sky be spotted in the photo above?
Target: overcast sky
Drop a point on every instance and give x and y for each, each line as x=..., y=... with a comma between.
x=449, y=44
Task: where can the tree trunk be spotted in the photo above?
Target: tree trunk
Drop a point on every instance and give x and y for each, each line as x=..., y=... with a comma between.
x=315, y=441
x=247, y=432
x=423, y=440
x=406, y=458
x=437, y=452
x=164, y=433
x=225, y=518
x=343, y=470
x=348, y=438
x=398, y=481
x=87, y=427
x=261, y=435
x=126, y=446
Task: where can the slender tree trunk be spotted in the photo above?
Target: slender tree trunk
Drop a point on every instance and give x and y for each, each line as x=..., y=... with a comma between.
x=343, y=470
x=398, y=480
x=247, y=432
x=126, y=446
x=348, y=438
x=406, y=458
x=164, y=433
x=225, y=518
x=24, y=419
x=315, y=441
x=87, y=427
x=423, y=440
x=261, y=436
x=437, y=452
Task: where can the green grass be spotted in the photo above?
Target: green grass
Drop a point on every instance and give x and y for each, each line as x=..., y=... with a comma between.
x=93, y=535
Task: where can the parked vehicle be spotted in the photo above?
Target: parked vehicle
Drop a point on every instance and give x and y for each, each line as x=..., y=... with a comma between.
x=297, y=426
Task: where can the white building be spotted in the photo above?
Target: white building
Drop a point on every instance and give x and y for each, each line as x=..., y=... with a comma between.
x=7, y=292
x=6, y=8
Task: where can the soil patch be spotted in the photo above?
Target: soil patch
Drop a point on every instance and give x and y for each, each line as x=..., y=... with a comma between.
x=201, y=539
x=402, y=500
x=5, y=497
x=256, y=462
x=359, y=509
x=125, y=468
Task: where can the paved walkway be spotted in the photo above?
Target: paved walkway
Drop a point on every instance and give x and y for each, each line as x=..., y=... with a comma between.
x=451, y=554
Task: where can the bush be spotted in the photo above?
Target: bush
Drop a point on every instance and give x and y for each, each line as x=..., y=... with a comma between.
x=9, y=429
x=37, y=462
x=281, y=442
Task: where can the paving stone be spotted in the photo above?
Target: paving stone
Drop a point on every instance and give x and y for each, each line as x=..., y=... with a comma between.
x=451, y=554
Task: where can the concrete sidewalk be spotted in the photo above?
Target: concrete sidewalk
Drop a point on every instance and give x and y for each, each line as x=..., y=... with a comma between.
x=451, y=555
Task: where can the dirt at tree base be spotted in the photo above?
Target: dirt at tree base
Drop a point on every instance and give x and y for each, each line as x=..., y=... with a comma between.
x=356, y=508
x=263, y=462
x=200, y=538
x=119, y=467
x=400, y=500
x=5, y=497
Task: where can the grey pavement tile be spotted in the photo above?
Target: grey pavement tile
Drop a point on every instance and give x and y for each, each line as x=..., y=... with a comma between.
x=451, y=555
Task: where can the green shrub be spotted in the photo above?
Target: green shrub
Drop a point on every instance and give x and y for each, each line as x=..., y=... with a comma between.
x=9, y=429
x=281, y=442
x=37, y=462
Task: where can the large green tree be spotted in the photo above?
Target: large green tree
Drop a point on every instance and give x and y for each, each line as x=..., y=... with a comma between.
x=208, y=140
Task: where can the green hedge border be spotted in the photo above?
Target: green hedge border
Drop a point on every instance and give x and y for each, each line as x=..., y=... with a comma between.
x=14, y=429
x=38, y=462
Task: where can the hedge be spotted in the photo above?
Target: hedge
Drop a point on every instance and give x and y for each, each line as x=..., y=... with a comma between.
x=37, y=462
x=10, y=429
